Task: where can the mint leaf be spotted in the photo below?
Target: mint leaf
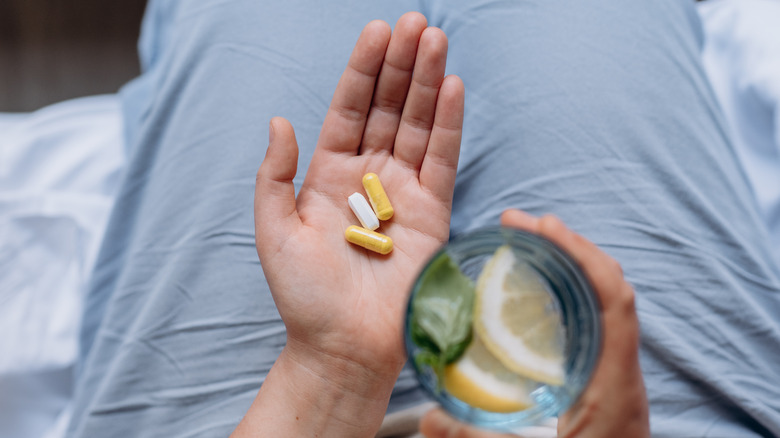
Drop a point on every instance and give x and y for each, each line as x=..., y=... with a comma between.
x=442, y=312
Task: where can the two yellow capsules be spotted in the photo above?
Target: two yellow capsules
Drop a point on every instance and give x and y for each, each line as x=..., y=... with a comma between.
x=369, y=217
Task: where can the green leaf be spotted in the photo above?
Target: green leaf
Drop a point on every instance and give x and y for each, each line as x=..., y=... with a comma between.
x=455, y=351
x=442, y=312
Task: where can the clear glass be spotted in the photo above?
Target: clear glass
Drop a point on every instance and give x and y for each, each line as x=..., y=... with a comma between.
x=578, y=308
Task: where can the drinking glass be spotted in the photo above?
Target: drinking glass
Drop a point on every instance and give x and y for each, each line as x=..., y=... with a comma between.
x=573, y=298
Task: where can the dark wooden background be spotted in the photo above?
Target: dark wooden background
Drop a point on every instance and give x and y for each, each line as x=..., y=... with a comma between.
x=53, y=50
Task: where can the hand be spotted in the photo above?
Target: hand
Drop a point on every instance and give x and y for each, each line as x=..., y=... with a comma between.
x=614, y=403
x=395, y=114
x=402, y=124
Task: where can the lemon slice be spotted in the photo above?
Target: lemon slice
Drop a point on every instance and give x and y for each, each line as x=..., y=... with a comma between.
x=480, y=380
x=517, y=319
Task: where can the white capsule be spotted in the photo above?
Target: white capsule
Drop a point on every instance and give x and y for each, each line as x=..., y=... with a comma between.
x=363, y=211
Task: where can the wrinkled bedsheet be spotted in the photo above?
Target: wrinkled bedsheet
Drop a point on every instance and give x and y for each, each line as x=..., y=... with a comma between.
x=599, y=112
x=179, y=326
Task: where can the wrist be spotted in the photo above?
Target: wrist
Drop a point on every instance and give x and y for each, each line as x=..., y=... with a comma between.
x=308, y=392
x=349, y=371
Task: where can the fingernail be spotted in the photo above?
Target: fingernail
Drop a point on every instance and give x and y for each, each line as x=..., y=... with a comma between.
x=271, y=131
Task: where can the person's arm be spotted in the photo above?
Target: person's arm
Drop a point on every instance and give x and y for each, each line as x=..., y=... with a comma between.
x=395, y=114
x=614, y=403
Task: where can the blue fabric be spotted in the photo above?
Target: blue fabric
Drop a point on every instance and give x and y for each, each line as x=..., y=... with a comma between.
x=597, y=111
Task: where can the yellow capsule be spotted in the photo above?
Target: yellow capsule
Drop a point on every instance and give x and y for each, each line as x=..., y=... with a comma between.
x=377, y=196
x=370, y=240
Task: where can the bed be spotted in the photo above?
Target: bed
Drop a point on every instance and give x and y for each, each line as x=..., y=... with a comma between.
x=60, y=168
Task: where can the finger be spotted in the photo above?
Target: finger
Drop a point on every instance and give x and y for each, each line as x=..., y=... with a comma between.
x=437, y=424
x=419, y=110
x=345, y=121
x=616, y=296
x=440, y=163
x=393, y=84
x=604, y=272
x=519, y=219
x=275, y=214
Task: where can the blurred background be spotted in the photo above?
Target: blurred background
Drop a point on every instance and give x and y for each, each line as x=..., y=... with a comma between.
x=53, y=50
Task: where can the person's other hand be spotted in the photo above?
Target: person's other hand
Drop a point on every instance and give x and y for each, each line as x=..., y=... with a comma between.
x=395, y=114
x=614, y=403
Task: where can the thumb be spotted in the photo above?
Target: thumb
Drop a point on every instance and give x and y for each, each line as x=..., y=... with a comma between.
x=275, y=214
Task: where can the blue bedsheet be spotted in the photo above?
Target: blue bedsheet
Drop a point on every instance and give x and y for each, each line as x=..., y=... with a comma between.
x=597, y=111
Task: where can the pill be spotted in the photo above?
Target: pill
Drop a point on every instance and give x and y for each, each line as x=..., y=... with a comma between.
x=370, y=240
x=363, y=211
x=377, y=196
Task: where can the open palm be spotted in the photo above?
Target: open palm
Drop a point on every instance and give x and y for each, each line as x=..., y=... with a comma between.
x=395, y=114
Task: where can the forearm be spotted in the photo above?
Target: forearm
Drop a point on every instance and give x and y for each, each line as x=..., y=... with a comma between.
x=305, y=397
